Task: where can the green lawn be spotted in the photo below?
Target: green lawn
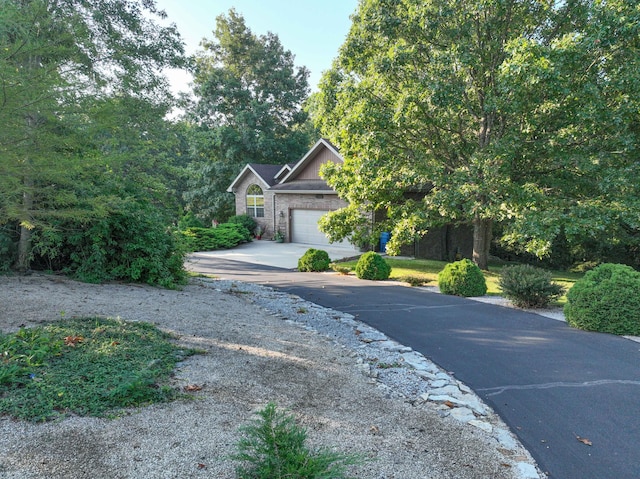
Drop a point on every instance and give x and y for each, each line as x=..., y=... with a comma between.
x=429, y=269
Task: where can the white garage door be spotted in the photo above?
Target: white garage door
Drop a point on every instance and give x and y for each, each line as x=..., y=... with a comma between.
x=304, y=227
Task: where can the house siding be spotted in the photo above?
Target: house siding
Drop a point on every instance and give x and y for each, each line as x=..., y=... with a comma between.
x=312, y=170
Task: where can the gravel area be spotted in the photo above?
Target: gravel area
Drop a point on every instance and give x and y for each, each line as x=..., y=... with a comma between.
x=261, y=346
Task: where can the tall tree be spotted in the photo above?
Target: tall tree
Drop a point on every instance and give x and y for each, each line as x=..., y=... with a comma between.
x=473, y=107
x=248, y=109
x=575, y=103
x=59, y=60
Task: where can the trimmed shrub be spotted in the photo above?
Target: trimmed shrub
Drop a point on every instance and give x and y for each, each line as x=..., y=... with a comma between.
x=607, y=300
x=372, y=266
x=314, y=260
x=245, y=220
x=224, y=236
x=529, y=287
x=462, y=278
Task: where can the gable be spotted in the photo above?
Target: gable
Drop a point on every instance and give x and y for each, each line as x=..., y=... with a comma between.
x=311, y=171
x=264, y=175
x=308, y=168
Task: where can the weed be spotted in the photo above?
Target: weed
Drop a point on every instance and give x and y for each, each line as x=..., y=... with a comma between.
x=388, y=365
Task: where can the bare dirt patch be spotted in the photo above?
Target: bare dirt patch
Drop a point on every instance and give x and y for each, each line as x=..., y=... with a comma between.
x=252, y=358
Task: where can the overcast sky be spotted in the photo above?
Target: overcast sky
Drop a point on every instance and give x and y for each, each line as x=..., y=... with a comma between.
x=313, y=30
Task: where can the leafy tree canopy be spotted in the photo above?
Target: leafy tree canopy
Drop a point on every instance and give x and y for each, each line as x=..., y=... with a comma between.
x=248, y=109
x=514, y=111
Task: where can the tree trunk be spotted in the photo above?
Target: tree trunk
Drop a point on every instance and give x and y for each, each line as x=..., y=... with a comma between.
x=24, y=250
x=481, y=241
x=23, y=261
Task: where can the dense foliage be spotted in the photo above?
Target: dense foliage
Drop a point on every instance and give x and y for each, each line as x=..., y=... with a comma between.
x=528, y=287
x=462, y=278
x=372, y=266
x=248, y=109
x=245, y=220
x=521, y=113
x=115, y=364
x=224, y=236
x=606, y=299
x=88, y=167
x=314, y=260
x=132, y=245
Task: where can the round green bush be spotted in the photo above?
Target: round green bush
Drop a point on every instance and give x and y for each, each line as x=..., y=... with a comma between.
x=372, y=266
x=529, y=287
x=314, y=260
x=606, y=299
x=462, y=278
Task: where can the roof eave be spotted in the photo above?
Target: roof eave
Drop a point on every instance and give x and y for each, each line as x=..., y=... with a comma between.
x=305, y=192
x=242, y=174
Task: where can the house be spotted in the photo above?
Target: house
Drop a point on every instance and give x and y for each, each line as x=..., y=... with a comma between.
x=291, y=199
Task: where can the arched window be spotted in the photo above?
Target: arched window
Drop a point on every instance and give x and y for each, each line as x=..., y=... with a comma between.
x=255, y=202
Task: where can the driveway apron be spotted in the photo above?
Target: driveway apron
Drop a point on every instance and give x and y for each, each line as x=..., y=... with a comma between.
x=556, y=387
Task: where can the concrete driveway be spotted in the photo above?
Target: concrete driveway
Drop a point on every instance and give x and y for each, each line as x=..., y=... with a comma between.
x=279, y=255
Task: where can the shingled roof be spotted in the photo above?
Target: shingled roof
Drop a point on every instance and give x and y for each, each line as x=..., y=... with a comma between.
x=266, y=172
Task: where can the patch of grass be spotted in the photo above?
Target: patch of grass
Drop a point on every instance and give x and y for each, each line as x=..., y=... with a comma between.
x=88, y=367
x=339, y=268
x=193, y=274
x=429, y=269
x=414, y=280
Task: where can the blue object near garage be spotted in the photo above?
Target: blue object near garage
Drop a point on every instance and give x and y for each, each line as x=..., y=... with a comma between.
x=384, y=239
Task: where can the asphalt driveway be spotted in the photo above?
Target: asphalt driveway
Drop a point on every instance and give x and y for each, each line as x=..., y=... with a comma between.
x=552, y=384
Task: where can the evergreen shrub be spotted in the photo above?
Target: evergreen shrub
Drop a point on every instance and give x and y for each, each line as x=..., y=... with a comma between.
x=314, y=260
x=372, y=266
x=529, y=287
x=245, y=220
x=606, y=299
x=224, y=236
x=462, y=278
x=275, y=447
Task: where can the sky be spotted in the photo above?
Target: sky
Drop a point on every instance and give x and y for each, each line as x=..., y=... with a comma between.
x=313, y=30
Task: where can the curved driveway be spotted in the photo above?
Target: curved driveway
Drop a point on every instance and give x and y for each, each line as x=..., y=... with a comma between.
x=550, y=383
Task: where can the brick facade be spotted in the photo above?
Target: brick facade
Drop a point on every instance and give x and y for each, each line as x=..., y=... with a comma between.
x=241, y=202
